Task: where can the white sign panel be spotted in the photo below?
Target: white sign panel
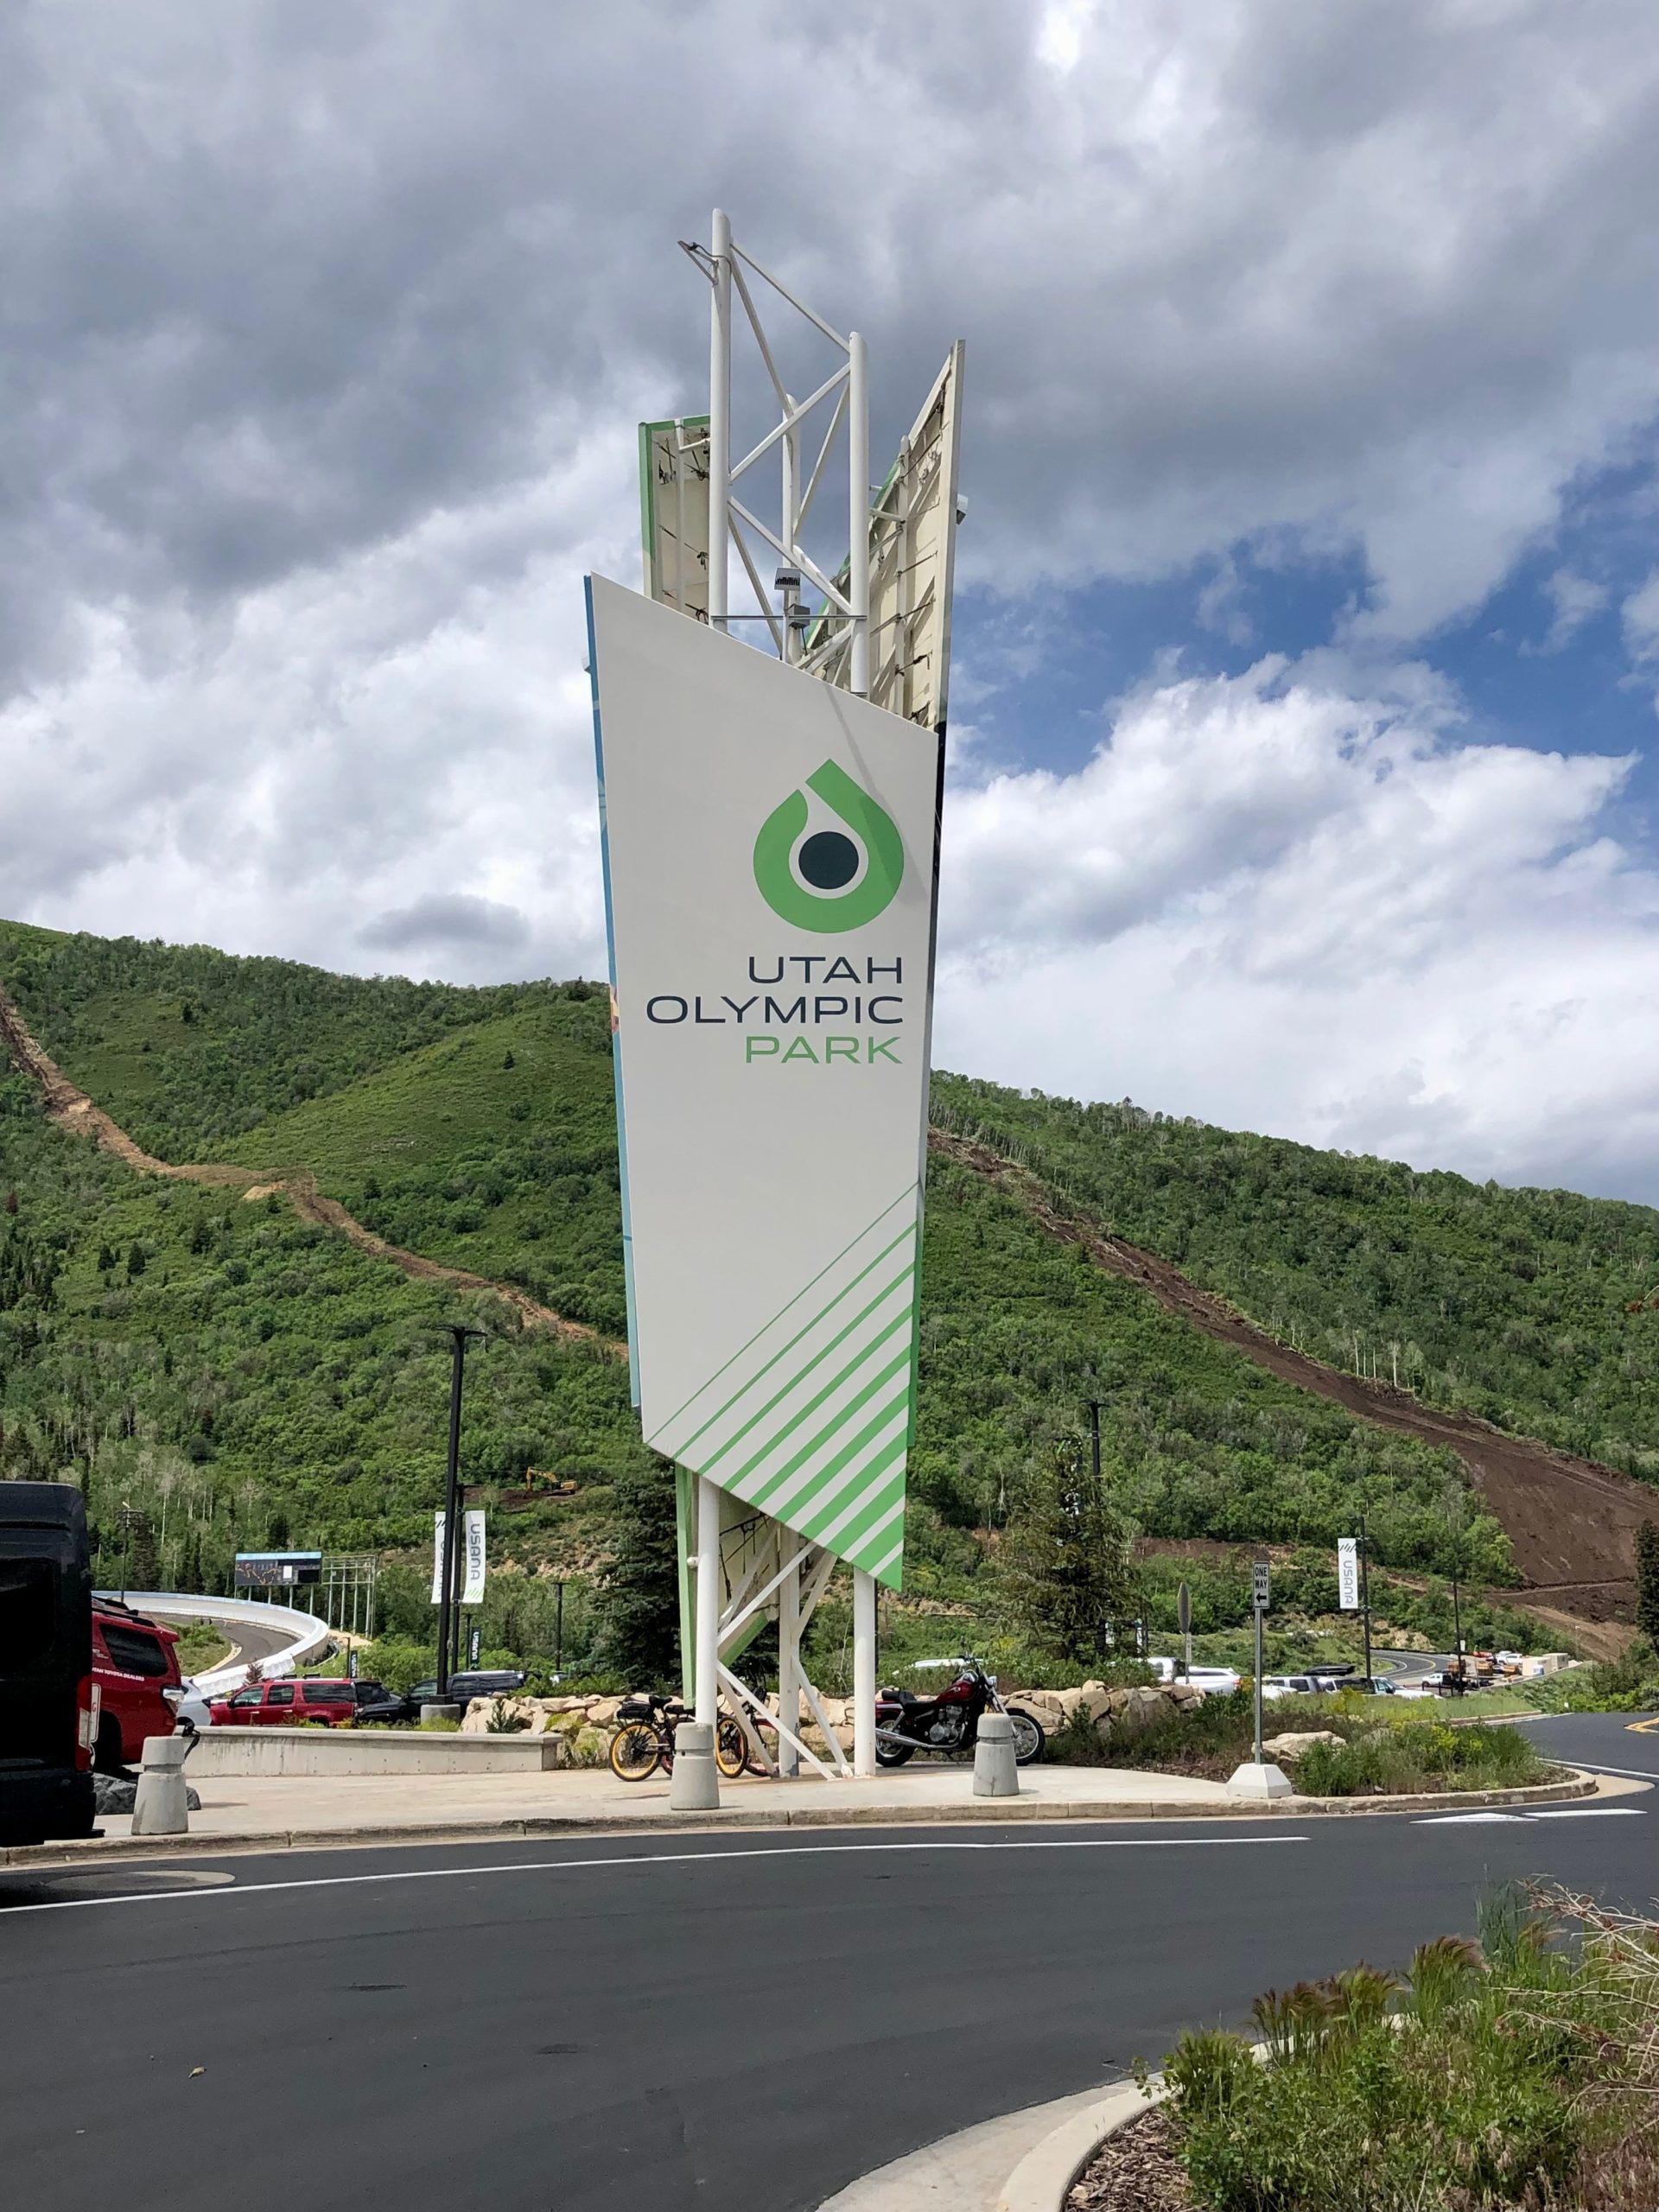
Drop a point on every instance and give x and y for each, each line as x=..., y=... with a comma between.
x=438, y=1520
x=471, y=1592
x=771, y=853
x=1348, y=1574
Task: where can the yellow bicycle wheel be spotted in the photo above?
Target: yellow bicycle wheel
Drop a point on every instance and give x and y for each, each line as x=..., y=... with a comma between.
x=636, y=1752
x=731, y=1748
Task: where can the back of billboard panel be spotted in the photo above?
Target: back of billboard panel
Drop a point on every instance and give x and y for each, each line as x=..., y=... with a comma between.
x=770, y=851
x=912, y=568
x=674, y=512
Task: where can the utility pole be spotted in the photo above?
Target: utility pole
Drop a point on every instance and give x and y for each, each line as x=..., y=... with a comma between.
x=449, y=1609
x=1094, y=1441
x=1365, y=1589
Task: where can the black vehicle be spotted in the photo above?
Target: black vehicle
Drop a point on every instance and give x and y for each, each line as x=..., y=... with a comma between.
x=48, y=1707
x=480, y=1681
x=906, y=1723
x=376, y=1702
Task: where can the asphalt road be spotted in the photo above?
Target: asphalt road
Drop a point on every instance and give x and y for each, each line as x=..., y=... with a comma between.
x=738, y=2024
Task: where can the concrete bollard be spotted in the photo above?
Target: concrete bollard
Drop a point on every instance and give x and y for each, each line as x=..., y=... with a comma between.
x=1259, y=1784
x=160, y=1806
x=432, y=1711
x=996, y=1773
x=695, y=1786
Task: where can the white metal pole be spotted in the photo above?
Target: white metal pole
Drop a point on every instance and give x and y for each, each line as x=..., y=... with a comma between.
x=708, y=1691
x=789, y=1659
x=858, y=521
x=863, y=1672
x=791, y=444
x=719, y=418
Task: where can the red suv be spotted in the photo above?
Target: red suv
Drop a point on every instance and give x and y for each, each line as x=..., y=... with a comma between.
x=298, y=1702
x=135, y=1667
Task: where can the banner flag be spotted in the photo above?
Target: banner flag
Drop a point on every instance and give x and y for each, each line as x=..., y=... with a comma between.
x=770, y=852
x=471, y=1592
x=1348, y=1574
x=438, y=1520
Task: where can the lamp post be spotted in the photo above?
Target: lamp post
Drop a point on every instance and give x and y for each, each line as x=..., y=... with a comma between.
x=449, y=1612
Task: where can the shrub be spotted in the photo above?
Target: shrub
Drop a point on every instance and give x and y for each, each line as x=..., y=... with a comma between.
x=1519, y=2072
x=1397, y=1760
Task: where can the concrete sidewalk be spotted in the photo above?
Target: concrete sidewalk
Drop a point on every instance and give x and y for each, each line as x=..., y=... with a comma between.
x=245, y=1812
x=240, y=1810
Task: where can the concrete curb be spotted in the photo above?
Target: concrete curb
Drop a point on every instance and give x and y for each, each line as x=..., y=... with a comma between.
x=1043, y=2178
x=976, y=1812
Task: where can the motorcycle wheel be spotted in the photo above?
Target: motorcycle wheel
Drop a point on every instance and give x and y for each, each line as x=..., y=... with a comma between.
x=1028, y=1738
x=893, y=1754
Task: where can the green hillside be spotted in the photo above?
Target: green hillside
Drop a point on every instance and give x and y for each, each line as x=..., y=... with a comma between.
x=1511, y=1304
x=280, y=1379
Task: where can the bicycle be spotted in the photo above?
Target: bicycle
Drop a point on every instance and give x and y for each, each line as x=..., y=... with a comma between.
x=645, y=1742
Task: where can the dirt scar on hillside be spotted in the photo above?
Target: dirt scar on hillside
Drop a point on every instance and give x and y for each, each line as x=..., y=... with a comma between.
x=1572, y=1521
x=72, y=1110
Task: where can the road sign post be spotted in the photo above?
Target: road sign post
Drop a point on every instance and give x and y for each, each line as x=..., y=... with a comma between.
x=1184, y=1615
x=1259, y=1779
x=1261, y=1594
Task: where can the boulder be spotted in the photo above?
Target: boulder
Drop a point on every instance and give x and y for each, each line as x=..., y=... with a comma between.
x=603, y=1710
x=1292, y=1744
x=587, y=1747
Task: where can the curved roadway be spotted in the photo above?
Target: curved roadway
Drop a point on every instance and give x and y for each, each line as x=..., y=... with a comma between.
x=736, y=2022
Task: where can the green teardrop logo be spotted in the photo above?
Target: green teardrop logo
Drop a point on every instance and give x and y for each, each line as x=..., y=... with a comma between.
x=829, y=858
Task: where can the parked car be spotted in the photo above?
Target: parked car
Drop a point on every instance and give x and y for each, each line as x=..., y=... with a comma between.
x=376, y=1703
x=135, y=1669
x=1277, y=1686
x=479, y=1681
x=48, y=1698
x=1219, y=1679
x=296, y=1701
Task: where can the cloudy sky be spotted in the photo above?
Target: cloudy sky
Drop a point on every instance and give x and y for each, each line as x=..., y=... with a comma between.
x=1308, y=635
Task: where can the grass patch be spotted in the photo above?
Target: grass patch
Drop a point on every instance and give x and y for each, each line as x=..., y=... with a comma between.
x=1519, y=2070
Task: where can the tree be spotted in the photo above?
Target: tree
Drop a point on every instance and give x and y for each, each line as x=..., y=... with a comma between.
x=640, y=1583
x=135, y=1258
x=1064, y=1567
x=1647, y=1581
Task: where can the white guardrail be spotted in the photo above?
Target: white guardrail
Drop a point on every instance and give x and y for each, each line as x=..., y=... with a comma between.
x=307, y=1636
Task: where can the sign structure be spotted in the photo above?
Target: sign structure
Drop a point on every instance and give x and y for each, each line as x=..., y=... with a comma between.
x=1261, y=1585
x=277, y=1570
x=1348, y=1574
x=438, y=1520
x=771, y=854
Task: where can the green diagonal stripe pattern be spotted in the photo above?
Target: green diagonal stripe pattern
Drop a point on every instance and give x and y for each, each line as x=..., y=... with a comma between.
x=812, y=1420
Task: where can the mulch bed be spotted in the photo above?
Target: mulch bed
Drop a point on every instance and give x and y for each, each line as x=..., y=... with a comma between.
x=1134, y=2171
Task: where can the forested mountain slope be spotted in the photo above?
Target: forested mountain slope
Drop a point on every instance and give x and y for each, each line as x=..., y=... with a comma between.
x=297, y=1381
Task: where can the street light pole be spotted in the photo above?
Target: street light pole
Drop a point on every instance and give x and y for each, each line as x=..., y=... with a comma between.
x=1365, y=1589
x=448, y=1611
x=1094, y=1441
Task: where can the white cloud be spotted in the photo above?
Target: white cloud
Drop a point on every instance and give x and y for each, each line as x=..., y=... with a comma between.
x=1575, y=599
x=1640, y=613
x=1279, y=907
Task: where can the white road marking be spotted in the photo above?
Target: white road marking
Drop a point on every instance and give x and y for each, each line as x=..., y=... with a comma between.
x=1464, y=1819
x=1635, y=1773
x=1591, y=1813
x=645, y=1859
x=1549, y=1812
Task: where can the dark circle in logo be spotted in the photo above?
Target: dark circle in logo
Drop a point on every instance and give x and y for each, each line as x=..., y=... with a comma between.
x=828, y=861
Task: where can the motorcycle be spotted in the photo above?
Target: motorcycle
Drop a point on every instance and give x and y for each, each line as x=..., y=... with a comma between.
x=906, y=1724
